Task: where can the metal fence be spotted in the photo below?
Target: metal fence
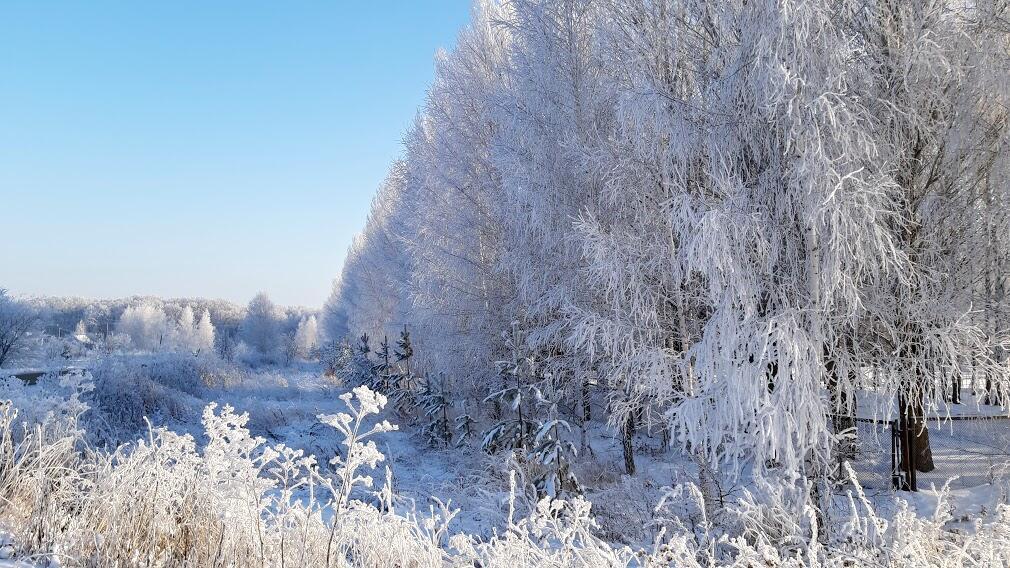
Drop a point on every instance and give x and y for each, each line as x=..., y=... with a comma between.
x=971, y=450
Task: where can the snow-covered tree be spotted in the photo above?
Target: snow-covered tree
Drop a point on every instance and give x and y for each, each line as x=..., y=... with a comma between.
x=550, y=449
x=384, y=374
x=17, y=321
x=514, y=401
x=260, y=329
x=204, y=336
x=306, y=337
x=938, y=95
x=454, y=194
x=147, y=326
x=184, y=337
x=552, y=108
x=436, y=404
x=371, y=296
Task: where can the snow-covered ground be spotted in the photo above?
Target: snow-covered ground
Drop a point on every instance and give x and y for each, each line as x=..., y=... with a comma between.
x=284, y=405
x=970, y=442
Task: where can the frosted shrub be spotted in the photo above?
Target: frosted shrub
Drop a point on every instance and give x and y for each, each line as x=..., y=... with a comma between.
x=54, y=401
x=41, y=470
x=557, y=533
x=359, y=451
x=161, y=387
x=164, y=501
x=129, y=391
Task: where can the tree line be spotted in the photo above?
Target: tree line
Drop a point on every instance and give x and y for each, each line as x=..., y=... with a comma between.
x=725, y=219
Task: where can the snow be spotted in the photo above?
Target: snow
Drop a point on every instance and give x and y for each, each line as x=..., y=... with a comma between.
x=291, y=405
x=970, y=442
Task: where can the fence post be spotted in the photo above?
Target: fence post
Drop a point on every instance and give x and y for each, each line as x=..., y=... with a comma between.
x=902, y=452
x=906, y=438
x=895, y=460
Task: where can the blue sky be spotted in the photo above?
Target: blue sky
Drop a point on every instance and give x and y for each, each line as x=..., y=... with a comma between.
x=193, y=148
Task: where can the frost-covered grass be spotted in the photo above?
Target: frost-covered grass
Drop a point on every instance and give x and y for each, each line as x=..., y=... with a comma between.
x=222, y=496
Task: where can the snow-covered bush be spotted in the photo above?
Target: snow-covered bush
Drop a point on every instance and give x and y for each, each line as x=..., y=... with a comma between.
x=165, y=386
x=171, y=500
x=129, y=391
x=50, y=399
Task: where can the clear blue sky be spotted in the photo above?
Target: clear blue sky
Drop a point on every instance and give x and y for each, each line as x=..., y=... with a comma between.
x=195, y=148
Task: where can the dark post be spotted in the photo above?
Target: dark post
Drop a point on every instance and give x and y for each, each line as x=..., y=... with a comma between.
x=895, y=459
x=907, y=444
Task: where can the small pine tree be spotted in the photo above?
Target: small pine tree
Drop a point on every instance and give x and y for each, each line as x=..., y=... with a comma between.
x=512, y=431
x=402, y=388
x=550, y=451
x=465, y=428
x=404, y=349
x=363, y=371
x=382, y=370
x=436, y=404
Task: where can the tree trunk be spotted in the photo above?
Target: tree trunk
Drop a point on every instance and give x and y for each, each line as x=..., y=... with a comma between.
x=628, y=433
x=916, y=454
x=711, y=494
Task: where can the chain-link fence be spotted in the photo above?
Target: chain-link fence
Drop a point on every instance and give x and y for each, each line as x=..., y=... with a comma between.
x=971, y=450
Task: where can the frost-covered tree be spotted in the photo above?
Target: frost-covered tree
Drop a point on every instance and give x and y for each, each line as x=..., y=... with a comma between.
x=260, y=327
x=384, y=374
x=552, y=108
x=404, y=350
x=404, y=385
x=371, y=296
x=363, y=369
x=939, y=97
x=184, y=337
x=147, y=326
x=204, y=337
x=454, y=195
x=436, y=403
x=550, y=449
x=649, y=306
x=17, y=321
x=515, y=400
x=306, y=337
